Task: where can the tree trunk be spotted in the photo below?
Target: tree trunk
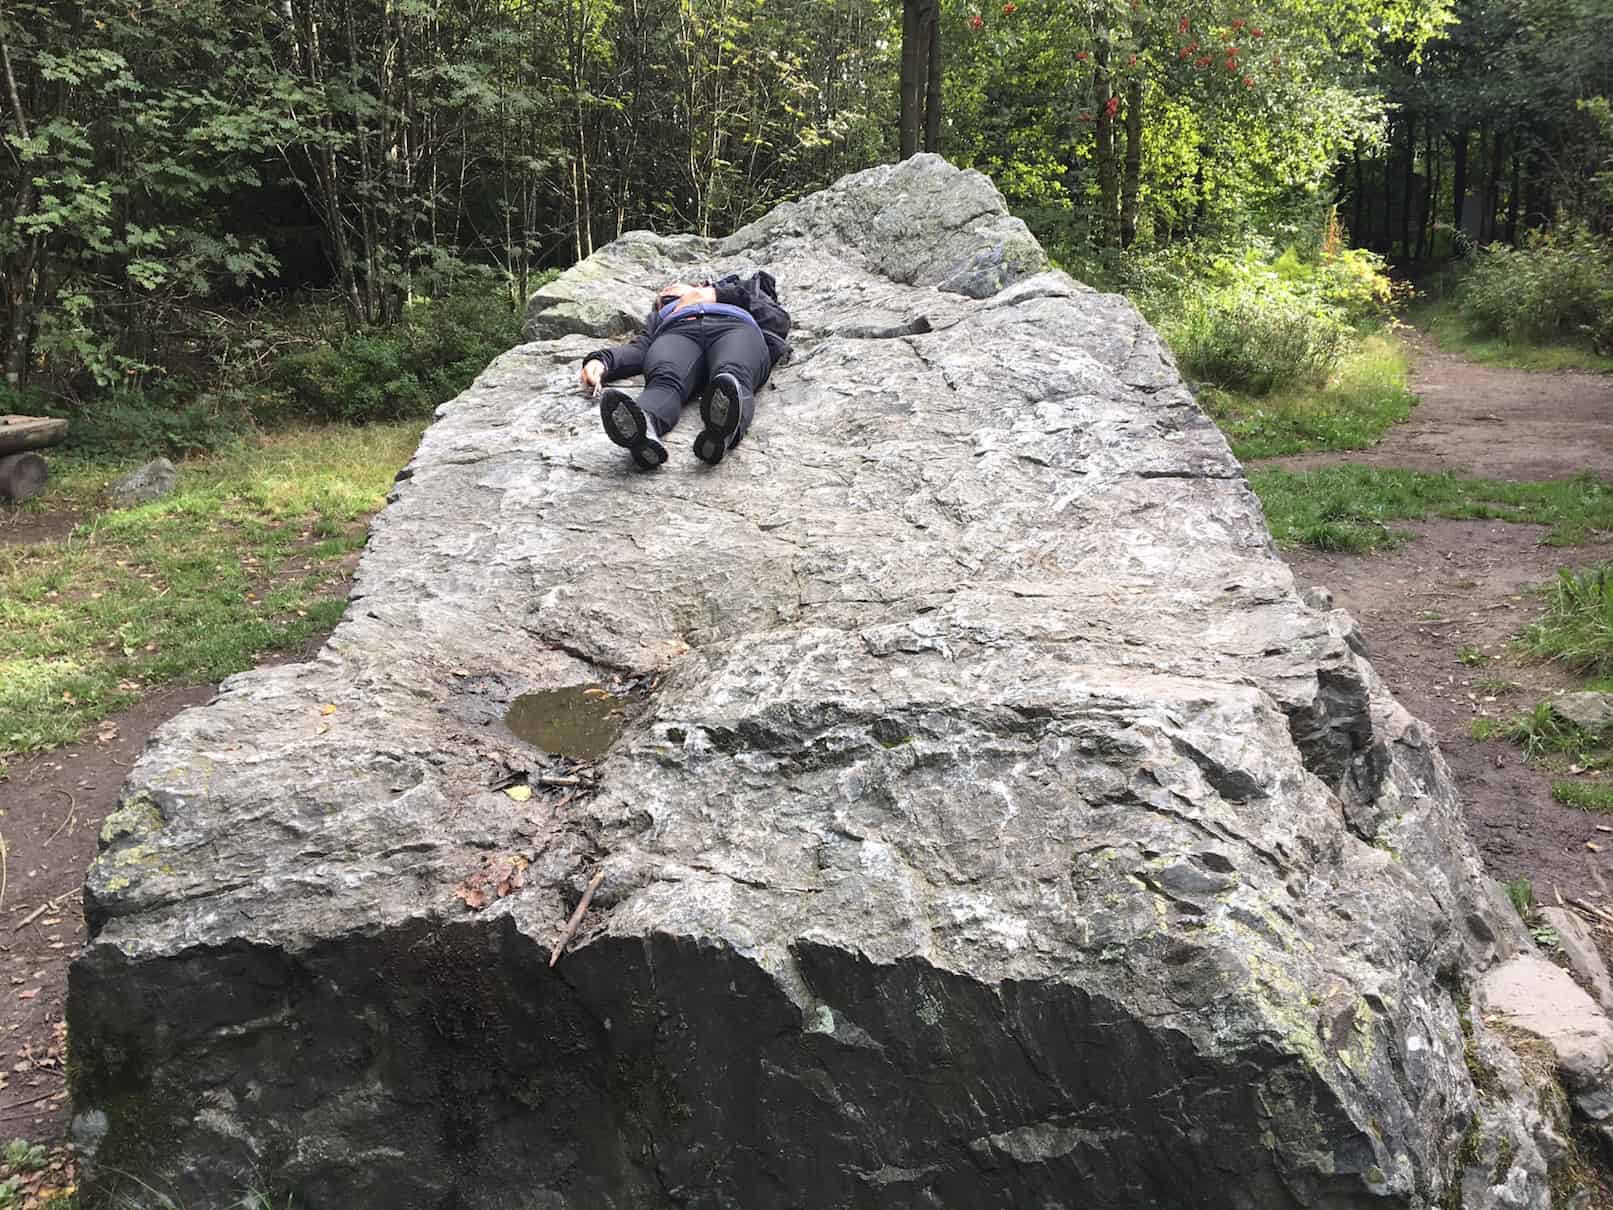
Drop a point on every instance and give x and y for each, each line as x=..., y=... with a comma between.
x=23, y=267
x=1358, y=231
x=1406, y=186
x=1108, y=176
x=1459, y=141
x=913, y=43
x=932, y=98
x=1498, y=164
x=1430, y=185
x=1512, y=200
x=1131, y=187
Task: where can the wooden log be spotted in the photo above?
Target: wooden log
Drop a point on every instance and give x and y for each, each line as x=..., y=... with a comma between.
x=29, y=433
x=22, y=475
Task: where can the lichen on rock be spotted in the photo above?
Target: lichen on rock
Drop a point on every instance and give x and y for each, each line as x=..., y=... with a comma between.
x=999, y=829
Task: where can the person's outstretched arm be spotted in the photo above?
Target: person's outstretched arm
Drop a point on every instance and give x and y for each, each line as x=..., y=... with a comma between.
x=617, y=361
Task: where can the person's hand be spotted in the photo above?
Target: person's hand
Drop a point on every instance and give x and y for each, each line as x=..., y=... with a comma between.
x=593, y=375
x=702, y=294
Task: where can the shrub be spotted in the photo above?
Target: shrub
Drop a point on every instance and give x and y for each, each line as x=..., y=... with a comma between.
x=1558, y=286
x=1252, y=334
x=404, y=371
x=168, y=418
x=1254, y=319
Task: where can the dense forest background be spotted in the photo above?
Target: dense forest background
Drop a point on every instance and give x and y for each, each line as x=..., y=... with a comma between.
x=335, y=207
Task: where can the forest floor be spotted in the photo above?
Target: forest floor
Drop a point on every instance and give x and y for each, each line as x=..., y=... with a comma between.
x=1440, y=610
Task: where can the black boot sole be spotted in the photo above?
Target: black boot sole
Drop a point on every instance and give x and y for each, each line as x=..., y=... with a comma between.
x=720, y=412
x=626, y=424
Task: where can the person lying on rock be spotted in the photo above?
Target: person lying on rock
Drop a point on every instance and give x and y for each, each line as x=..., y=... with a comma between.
x=721, y=339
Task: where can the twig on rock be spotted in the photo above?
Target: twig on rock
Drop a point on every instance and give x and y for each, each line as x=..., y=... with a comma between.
x=576, y=917
x=548, y=779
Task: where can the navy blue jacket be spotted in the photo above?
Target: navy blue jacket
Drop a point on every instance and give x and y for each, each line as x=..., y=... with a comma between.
x=756, y=294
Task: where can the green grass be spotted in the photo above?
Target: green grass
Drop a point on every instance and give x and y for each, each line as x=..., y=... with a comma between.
x=1349, y=507
x=1587, y=796
x=1577, y=627
x=1365, y=396
x=1522, y=896
x=1441, y=320
x=1541, y=731
x=243, y=559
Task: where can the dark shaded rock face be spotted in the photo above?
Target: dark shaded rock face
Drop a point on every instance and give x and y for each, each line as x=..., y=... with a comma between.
x=1001, y=830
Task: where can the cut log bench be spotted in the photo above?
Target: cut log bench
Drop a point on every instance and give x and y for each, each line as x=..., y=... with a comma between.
x=22, y=468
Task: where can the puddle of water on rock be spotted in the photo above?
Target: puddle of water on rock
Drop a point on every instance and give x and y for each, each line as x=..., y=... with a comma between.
x=579, y=721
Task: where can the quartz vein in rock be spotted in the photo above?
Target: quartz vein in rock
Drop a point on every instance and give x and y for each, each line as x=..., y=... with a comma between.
x=1001, y=830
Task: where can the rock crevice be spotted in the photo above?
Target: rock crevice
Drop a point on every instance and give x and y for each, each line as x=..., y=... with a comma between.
x=993, y=827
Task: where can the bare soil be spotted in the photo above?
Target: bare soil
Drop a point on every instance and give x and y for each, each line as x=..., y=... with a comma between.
x=1471, y=586
x=51, y=810
x=1492, y=422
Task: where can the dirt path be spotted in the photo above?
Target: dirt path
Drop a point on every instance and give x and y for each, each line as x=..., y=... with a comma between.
x=1492, y=422
x=51, y=810
x=1467, y=588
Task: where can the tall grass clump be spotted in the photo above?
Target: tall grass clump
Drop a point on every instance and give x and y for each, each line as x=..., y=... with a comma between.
x=1577, y=628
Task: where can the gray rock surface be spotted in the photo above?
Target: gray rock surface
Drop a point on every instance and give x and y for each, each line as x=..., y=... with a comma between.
x=991, y=824
x=1592, y=711
x=1584, y=959
x=152, y=481
x=1536, y=996
x=1318, y=597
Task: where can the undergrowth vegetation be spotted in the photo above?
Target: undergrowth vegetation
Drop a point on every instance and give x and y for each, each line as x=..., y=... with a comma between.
x=1557, y=286
x=289, y=362
x=1252, y=315
x=1350, y=411
x=1544, y=305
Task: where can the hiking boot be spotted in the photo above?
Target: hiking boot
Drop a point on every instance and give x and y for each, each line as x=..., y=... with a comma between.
x=629, y=426
x=721, y=409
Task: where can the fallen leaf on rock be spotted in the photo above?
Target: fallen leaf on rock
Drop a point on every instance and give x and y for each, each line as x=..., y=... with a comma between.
x=512, y=876
x=30, y=993
x=595, y=693
x=519, y=793
x=327, y=709
x=498, y=877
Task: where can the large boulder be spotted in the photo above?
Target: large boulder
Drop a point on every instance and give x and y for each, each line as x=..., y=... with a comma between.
x=990, y=822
